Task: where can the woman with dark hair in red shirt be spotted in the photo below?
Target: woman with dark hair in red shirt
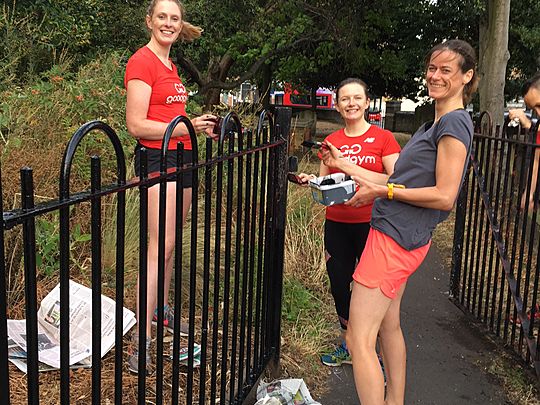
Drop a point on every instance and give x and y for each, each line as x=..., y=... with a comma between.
x=347, y=225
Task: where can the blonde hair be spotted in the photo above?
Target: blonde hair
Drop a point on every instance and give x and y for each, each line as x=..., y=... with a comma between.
x=189, y=31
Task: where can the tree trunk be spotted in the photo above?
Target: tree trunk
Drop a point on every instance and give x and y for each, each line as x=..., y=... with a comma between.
x=494, y=56
x=217, y=71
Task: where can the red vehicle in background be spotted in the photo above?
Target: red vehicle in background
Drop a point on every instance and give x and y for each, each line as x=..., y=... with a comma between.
x=293, y=98
x=374, y=116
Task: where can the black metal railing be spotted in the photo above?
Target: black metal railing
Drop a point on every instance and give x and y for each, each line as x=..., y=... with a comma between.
x=227, y=271
x=496, y=255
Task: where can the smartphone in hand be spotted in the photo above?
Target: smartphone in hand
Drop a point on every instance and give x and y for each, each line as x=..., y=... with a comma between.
x=294, y=178
x=308, y=143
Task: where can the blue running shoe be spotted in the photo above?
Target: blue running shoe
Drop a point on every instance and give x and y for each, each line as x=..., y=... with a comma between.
x=338, y=357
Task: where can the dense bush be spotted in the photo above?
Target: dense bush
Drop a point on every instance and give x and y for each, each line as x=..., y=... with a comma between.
x=37, y=120
x=37, y=34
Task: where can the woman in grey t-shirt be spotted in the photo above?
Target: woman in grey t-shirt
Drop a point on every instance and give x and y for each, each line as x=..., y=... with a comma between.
x=408, y=206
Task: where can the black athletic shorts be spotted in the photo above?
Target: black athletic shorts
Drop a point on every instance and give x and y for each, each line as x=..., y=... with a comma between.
x=154, y=160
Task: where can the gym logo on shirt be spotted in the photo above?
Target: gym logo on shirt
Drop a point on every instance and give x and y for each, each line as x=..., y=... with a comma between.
x=181, y=97
x=352, y=153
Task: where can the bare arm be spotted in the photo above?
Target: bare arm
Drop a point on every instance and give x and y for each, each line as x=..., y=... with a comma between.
x=451, y=155
x=138, y=124
x=534, y=179
x=524, y=121
x=332, y=158
x=388, y=163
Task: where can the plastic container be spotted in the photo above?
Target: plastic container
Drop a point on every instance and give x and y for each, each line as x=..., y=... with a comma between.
x=341, y=190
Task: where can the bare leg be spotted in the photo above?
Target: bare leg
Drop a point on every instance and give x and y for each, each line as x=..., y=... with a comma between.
x=169, y=258
x=368, y=308
x=153, y=241
x=394, y=352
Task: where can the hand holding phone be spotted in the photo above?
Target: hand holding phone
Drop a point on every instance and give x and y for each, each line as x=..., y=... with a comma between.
x=309, y=143
x=294, y=178
x=217, y=127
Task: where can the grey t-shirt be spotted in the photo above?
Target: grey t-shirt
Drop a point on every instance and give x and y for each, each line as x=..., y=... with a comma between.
x=411, y=226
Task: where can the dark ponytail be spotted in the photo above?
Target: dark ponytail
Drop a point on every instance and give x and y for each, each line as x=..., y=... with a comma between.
x=468, y=62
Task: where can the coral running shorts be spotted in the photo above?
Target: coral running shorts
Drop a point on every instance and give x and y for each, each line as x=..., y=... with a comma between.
x=387, y=265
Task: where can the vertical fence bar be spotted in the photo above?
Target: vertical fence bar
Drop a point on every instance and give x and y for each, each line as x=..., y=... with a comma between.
x=162, y=226
x=257, y=266
x=206, y=266
x=501, y=183
x=227, y=278
x=260, y=317
x=485, y=219
x=283, y=122
x=178, y=257
x=250, y=350
x=193, y=273
x=217, y=279
x=459, y=231
x=479, y=221
x=513, y=282
x=245, y=269
x=4, y=368
x=119, y=309
x=269, y=241
x=505, y=234
x=96, y=279
x=64, y=296
x=237, y=267
x=30, y=286
x=143, y=277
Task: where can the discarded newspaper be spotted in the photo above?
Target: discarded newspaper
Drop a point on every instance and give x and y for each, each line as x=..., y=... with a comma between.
x=291, y=391
x=80, y=328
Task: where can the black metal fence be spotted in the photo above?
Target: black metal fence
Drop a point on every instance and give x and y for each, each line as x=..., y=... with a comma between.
x=227, y=271
x=496, y=256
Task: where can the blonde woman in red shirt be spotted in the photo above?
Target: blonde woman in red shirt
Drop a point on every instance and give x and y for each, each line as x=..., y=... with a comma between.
x=156, y=95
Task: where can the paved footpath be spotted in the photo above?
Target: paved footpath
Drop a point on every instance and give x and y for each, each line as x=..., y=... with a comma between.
x=446, y=355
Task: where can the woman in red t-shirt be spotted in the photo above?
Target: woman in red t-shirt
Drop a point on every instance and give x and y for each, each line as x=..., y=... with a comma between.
x=347, y=225
x=156, y=95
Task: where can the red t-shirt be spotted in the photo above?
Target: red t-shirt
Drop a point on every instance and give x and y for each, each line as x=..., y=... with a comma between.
x=365, y=151
x=169, y=96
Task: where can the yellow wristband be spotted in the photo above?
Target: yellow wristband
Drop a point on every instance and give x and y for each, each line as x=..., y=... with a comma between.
x=391, y=186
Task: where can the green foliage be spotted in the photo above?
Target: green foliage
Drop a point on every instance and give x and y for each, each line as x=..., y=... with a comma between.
x=298, y=301
x=523, y=42
x=37, y=34
x=44, y=114
x=48, y=245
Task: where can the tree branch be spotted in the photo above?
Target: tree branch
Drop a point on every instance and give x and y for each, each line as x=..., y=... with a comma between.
x=189, y=67
x=255, y=67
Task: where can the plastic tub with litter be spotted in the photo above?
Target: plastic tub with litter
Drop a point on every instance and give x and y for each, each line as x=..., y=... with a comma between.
x=332, y=189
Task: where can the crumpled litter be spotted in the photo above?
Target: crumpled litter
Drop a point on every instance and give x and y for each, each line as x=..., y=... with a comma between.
x=292, y=391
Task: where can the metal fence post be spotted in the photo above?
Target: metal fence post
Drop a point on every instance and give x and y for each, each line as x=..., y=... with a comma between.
x=283, y=125
x=4, y=368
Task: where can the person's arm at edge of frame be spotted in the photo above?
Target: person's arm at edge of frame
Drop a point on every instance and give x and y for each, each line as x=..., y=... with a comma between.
x=138, y=124
x=451, y=155
x=534, y=180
